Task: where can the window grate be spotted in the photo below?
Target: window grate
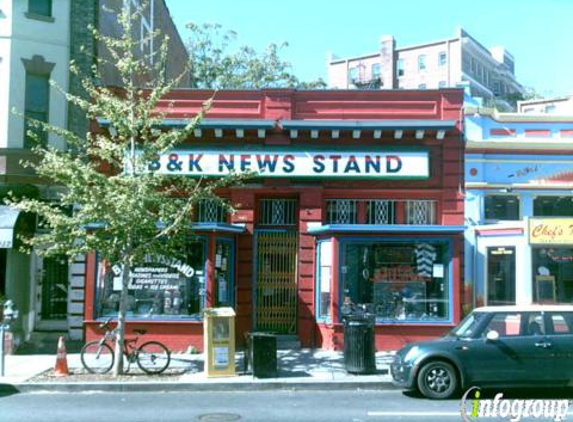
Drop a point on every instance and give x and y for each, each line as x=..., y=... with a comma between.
x=381, y=212
x=342, y=211
x=211, y=211
x=277, y=212
x=420, y=212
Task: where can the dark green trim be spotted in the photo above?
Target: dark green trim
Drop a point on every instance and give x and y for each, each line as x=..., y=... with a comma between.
x=42, y=18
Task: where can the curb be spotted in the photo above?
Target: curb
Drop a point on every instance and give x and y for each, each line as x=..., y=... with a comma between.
x=140, y=387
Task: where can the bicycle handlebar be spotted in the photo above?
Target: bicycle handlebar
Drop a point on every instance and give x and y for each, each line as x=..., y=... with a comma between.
x=106, y=323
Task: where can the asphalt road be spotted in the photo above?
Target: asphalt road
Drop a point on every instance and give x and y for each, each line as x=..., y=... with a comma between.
x=291, y=406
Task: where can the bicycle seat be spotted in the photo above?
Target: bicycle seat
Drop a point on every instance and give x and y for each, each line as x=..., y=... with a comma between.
x=140, y=332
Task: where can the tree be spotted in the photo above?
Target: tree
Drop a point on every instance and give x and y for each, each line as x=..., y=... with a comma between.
x=215, y=66
x=105, y=177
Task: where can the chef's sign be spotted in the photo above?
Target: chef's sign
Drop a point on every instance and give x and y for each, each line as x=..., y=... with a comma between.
x=340, y=164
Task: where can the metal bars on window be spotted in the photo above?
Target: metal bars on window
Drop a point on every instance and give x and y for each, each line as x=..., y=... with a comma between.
x=381, y=211
x=277, y=212
x=420, y=212
x=211, y=211
x=342, y=211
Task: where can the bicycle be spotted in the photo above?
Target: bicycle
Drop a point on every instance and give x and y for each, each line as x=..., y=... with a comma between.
x=97, y=356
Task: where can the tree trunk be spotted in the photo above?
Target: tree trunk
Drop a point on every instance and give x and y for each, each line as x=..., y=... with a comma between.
x=120, y=330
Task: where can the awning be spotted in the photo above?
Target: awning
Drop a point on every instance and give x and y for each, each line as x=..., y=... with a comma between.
x=8, y=218
x=390, y=228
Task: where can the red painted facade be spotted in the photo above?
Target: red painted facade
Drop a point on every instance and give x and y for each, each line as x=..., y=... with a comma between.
x=444, y=185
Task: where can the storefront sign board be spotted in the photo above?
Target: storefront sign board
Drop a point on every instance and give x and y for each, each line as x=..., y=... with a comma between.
x=375, y=163
x=551, y=231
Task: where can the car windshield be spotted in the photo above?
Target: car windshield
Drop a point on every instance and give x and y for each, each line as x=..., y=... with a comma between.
x=468, y=326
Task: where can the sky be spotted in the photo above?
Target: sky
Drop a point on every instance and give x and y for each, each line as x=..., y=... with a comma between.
x=538, y=33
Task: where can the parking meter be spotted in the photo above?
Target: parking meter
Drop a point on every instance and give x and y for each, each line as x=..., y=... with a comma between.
x=9, y=315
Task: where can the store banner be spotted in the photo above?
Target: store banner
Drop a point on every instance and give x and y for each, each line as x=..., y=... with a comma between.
x=551, y=231
x=271, y=163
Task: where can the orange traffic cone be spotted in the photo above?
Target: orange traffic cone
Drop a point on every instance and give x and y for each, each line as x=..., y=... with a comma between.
x=61, y=369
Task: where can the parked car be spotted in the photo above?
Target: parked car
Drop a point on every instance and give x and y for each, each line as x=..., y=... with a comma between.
x=505, y=346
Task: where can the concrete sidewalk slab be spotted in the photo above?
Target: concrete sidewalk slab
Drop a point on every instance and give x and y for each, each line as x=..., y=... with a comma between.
x=304, y=369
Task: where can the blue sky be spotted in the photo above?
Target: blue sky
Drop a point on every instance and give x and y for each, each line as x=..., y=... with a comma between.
x=539, y=33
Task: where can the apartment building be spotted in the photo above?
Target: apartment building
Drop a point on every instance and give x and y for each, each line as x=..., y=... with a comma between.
x=554, y=105
x=490, y=73
x=38, y=38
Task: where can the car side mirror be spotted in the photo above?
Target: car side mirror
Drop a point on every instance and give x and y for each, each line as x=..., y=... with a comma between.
x=492, y=335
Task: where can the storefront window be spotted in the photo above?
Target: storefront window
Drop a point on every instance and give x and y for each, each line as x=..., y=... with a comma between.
x=324, y=260
x=224, y=264
x=553, y=275
x=397, y=281
x=161, y=287
x=502, y=207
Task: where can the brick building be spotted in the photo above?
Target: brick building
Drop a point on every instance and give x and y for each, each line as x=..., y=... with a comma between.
x=490, y=73
x=358, y=201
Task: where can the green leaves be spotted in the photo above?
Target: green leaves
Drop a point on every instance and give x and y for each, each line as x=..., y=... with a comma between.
x=216, y=64
x=121, y=213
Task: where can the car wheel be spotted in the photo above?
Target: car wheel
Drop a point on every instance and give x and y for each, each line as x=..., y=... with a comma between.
x=438, y=380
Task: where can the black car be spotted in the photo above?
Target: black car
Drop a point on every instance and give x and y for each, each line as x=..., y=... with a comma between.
x=507, y=346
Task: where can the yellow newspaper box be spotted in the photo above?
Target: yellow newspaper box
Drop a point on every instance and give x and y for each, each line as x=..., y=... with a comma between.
x=219, y=342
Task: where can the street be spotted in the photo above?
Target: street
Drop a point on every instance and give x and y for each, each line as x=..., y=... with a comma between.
x=291, y=406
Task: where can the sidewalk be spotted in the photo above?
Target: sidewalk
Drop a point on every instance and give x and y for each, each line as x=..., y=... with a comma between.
x=297, y=369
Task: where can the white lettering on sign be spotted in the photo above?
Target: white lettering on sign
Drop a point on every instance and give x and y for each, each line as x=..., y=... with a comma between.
x=347, y=164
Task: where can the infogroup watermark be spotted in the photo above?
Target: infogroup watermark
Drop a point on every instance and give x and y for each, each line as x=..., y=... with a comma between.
x=474, y=408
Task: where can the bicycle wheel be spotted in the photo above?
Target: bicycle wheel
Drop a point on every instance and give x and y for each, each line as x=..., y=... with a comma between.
x=153, y=357
x=97, y=358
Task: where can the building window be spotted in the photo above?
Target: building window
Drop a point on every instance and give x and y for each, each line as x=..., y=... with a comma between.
x=341, y=211
x=400, y=67
x=553, y=206
x=421, y=62
x=502, y=207
x=376, y=71
x=323, y=279
x=40, y=7
x=353, y=75
x=37, y=104
x=442, y=58
x=501, y=276
x=159, y=288
x=550, y=109
x=381, y=212
x=442, y=84
x=422, y=86
x=398, y=281
x=211, y=211
x=420, y=212
x=277, y=212
x=552, y=274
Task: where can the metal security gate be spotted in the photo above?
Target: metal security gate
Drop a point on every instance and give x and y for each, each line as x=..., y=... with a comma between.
x=275, y=281
x=52, y=292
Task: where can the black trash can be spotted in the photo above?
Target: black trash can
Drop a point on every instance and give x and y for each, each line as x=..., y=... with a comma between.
x=359, y=348
x=262, y=354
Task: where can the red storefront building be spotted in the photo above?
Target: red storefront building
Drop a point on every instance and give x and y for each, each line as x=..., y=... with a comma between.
x=358, y=200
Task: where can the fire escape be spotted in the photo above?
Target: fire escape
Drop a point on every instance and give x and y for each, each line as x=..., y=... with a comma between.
x=370, y=80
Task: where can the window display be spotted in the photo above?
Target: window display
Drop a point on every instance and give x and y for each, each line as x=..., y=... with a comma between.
x=396, y=281
x=553, y=275
x=159, y=287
